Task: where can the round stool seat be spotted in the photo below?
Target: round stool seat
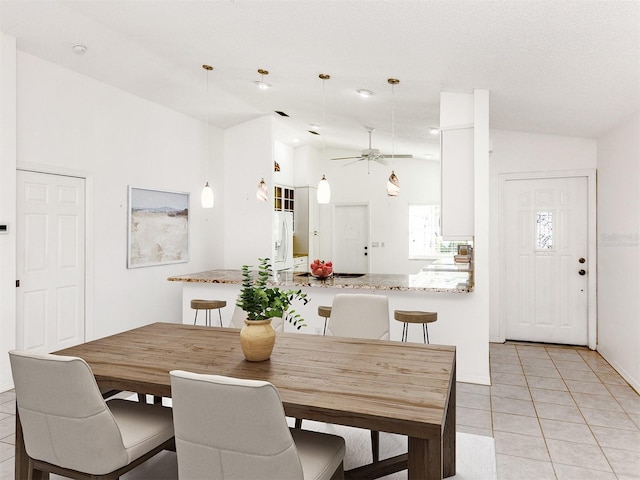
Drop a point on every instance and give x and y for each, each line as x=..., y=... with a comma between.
x=415, y=316
x=207, y=304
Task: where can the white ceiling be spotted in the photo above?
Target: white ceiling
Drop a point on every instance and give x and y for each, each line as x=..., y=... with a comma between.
x=563, y=67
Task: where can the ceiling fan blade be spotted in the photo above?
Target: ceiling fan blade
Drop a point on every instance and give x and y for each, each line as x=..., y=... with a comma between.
x=355, y=161
x=346, y=158
x=397, y=156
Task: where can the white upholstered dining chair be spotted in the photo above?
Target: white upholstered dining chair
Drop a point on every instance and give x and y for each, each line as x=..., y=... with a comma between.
x=229, y=428
x=360, y=315
x=70, y=430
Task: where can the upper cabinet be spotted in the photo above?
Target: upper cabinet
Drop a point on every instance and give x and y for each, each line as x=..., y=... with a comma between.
x=457, y=177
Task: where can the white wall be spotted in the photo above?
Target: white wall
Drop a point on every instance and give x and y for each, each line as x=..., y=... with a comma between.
x=515, y=152
x=70, y=123
x=619, y=248
x=7, y=204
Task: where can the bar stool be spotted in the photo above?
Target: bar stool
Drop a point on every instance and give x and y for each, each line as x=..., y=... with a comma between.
x=415, y=317
x=207, y=305
x=324, y=312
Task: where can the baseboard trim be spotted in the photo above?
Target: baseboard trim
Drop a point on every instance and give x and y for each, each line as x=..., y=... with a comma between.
x=635, y=383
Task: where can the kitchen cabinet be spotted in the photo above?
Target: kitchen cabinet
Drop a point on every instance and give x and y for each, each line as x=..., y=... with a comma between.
x=306, y=220
x=301, y=264
x=283, y=199
x=457, y=176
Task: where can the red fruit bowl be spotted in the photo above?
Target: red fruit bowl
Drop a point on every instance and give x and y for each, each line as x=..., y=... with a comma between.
x=321, y=269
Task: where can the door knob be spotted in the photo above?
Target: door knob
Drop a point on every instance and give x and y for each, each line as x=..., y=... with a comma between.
x=582, y=272
x=581, y=260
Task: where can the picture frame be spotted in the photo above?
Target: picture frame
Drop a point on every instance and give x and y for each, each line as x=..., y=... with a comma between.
x=158, y=227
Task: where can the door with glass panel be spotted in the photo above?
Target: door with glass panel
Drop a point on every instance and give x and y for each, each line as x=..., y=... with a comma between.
x=545, y=284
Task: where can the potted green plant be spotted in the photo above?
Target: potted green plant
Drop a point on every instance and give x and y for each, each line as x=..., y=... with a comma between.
x=262, y=303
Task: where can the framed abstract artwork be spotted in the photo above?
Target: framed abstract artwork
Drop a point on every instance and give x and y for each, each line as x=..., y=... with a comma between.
x=158, y=227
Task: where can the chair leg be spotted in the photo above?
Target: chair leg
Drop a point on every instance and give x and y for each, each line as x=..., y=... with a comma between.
x=426, y=333
x=298, y=423
x=195, y=318
x=220, y=315
x=142, y=398
x=375, y=445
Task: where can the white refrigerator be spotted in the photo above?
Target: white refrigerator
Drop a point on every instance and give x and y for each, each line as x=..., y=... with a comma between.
x=282, y=241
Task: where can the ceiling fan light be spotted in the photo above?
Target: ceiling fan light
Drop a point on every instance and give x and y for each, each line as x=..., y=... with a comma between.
x=262, y=192
x=324, y=191
x=206, y=197
x=393, y=185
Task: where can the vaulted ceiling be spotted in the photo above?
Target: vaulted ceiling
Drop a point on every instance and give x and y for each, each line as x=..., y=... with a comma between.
x=563, y=67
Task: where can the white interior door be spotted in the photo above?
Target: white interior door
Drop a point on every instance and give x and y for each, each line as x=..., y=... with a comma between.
x=351, y=239
x=545, y=285
x=50, y=261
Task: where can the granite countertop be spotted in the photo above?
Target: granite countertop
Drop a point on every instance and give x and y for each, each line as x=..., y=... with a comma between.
x=425, y=281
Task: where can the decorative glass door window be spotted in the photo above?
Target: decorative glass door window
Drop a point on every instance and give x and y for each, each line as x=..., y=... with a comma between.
x=544, y=230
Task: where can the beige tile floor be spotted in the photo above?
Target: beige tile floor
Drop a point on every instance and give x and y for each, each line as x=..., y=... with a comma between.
x=554, y=412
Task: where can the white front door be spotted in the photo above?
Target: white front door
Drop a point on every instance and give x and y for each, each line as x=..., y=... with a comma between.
x=50, y=261
x=351, y=239
x=545, y=284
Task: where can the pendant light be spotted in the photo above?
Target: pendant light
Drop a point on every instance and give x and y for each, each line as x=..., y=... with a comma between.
x=324, y=189
x=262, y=192
x=393, y=184
x=206, y=198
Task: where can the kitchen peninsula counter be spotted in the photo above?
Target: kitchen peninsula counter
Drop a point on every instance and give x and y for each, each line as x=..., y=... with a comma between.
x=436, y=290
x=424, y=281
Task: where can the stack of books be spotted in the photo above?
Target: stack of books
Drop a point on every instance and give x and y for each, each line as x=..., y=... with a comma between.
x=462, y=258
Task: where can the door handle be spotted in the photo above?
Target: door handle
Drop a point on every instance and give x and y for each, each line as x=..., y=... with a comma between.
x=582, y=272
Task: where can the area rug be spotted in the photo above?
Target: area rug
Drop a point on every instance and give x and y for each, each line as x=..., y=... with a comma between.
x=476, y=458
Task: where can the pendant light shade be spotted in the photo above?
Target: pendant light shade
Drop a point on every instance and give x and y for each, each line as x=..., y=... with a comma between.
x=393, y=185
x=324, y=190
x=262, y=192
x=206, y=198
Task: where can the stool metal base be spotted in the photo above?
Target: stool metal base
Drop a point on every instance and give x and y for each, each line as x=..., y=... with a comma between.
x=425, y=332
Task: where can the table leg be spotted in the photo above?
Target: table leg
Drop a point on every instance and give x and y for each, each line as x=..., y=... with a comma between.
x=425, y=459
x=449, y=433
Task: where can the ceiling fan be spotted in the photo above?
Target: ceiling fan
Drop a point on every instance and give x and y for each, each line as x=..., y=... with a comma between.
x=371, y=153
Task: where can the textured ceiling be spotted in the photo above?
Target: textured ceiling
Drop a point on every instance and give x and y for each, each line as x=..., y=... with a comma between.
x=559, y=67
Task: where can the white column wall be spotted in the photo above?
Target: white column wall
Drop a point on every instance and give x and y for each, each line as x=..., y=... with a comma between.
x=619, y=248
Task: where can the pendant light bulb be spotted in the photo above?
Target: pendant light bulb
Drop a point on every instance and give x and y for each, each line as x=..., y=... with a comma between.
x=262, y=192
x=393, y=185
x=324, y=191
x=206, y=198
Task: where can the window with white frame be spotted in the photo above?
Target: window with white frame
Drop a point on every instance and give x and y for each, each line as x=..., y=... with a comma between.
x=425, y=240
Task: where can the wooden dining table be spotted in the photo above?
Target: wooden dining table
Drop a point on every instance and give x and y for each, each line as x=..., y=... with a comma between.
x=388, y=386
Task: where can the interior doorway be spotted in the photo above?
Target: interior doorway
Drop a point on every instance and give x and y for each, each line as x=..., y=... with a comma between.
x=547, y=283
x=351, y=238
x=50, y=301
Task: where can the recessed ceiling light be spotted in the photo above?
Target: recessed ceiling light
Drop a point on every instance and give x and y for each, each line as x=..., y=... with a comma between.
x=79, y=49
x=363, y=92
x=434, y=130
x=314, y=126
